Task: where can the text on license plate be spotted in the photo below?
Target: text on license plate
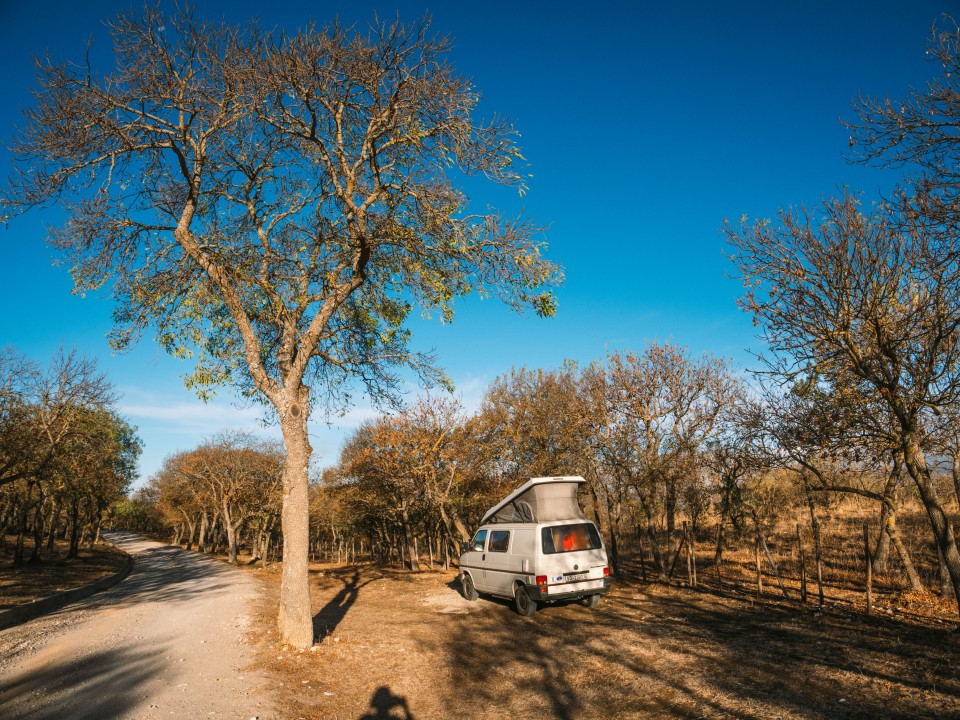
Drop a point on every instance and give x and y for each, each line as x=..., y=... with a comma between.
x=576, y=577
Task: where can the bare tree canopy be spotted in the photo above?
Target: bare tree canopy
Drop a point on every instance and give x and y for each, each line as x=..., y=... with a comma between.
x=865, y=304
x=275, y=206
x=920, y=130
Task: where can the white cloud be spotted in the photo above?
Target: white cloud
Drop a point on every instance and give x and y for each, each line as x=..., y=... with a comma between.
x=174, y=414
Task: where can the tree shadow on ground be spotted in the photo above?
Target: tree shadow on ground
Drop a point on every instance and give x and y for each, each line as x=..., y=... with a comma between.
x=332, y=614
x=384, y=705
x=666, y=652
x=99, y=685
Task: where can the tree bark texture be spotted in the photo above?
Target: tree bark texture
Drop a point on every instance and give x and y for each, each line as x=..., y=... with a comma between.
x=295, y=618
x=942, y=531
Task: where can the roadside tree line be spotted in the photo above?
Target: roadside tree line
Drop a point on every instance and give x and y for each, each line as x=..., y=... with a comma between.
x=66, y=455
x=275, y=205
x=676, y=450
x=219, y=497
x=634, y=425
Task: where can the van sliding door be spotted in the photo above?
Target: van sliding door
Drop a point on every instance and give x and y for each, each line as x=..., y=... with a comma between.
x=499, y=579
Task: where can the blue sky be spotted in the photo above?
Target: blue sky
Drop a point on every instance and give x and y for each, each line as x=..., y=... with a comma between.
x=646, y=124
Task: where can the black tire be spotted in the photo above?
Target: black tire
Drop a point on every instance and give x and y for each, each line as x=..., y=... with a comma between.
x=469, y=591
x=525, y=605
x=591, y=601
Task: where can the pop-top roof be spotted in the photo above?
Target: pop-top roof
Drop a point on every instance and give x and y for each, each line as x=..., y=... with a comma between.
x=542, y=499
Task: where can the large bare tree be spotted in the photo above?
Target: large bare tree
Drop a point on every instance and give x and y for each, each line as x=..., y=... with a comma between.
x=274, y=206
x=866, y=300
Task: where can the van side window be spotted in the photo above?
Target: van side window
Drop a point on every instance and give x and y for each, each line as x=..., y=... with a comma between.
x=499, y=540
x=570, y=538
x=478, y=540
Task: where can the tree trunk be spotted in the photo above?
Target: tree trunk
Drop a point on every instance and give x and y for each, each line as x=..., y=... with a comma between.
x=408, y=539
x=295, y=620
x=893, y=531
x=37, y=533
x=956, y=478
x=596, y=505
x=718, y=553
x=451, y=515
x=882, y=551
x=231, y=533
x=52, y=527
x=265, y=548
x=202, y=539
x=18, y=560
x=74, y=528
x=868, y=566
x=613, y=513
x=942, y=531
x=643, y=560
x=657, y=557
x=817, y=553
x=671, y=512
x=946, y=589
x=191, y=528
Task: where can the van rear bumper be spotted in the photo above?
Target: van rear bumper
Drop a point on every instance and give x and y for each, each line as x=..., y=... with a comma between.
x=538, y=593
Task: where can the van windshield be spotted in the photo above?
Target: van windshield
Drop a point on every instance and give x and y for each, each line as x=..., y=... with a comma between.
x=570, y=538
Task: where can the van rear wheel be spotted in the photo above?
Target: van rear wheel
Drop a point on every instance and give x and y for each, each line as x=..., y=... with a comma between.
x=525, y=605
x=469, y=590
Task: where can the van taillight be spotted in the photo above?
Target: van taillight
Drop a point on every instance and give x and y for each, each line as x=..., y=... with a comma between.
x=606, y=571
x=541, y=579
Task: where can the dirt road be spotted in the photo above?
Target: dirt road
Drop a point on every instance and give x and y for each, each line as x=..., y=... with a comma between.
x=167, y=642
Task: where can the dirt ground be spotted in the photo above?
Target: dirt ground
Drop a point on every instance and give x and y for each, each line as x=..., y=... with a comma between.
x=170, y=641
x=401, y=645
x=54, y=573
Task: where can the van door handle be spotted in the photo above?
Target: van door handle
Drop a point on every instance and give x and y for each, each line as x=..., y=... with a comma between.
x=484, y=557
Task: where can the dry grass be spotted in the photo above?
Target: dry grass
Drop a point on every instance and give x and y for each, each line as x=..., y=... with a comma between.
x=399, y=645
x=55, y=573
x=844, y=567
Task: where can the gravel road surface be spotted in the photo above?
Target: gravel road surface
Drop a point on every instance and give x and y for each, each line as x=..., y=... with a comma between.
x=167, y=642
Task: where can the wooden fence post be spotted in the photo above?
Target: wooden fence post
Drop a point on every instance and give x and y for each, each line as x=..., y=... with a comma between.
x=686, y=538
x=693, y=555
x=803, y=568
x=756, y=553
x=673, y=565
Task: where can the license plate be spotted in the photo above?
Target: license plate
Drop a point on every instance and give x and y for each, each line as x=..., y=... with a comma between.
x=576, y=577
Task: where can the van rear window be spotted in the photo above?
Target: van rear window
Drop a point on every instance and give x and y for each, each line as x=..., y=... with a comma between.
x=570, y=538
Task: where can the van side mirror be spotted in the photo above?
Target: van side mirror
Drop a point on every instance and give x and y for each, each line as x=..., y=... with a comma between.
x=465, y=546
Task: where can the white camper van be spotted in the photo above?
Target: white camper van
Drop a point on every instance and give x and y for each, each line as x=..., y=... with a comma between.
x=537, y=546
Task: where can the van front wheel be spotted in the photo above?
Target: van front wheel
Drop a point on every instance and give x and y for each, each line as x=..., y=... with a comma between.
x=469, y=591
x=525, y=605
